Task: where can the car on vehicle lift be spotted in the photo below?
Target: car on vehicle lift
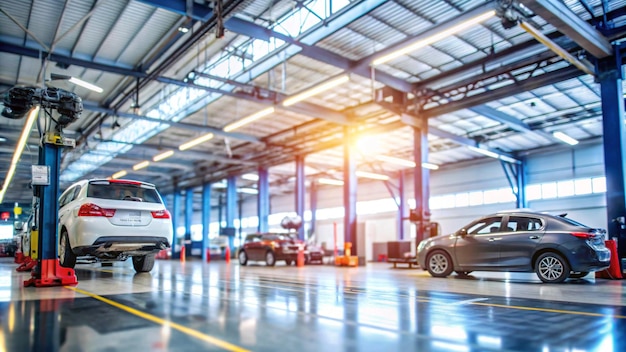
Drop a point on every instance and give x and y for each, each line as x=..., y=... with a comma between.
x=112, y=220
x=553, y=246
x=273, y=247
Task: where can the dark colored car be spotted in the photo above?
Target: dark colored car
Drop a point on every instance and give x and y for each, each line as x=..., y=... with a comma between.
x=554, y=247
x=272, y=247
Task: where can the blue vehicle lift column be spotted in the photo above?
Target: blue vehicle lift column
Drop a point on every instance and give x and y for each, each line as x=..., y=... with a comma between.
x=401, y=206
x=231, y=208
x=610, y=77
x=349, y=191
x=188, y=219
x=206, y=219
x=175, y=220
x=313, y=200
x=300, y=180
x=263, y=200
x=421, y=179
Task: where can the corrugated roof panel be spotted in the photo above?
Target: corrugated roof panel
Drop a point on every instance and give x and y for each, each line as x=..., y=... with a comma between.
x=128, y=25
x=378, y=31
x=71, y=16
x=20, y=13
x=98, y=27
x=400, y=18
x=350, y=44
x=44, y=18
x=157, y=25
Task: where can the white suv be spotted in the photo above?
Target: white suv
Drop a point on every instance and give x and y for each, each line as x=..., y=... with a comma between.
x=111, y=220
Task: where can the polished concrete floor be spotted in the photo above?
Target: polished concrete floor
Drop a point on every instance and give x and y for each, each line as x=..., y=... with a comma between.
x=197, y=306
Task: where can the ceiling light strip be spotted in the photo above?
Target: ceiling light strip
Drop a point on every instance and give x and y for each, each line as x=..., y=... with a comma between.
x=87, y=85
x=249, y=119
x=435, y=37
x=316, y=90
x=119, y=174
x=564, y=138
x=141, y=165
x=195, y=142
x=19, y=148
x=372, y=176
x=330, y=181
x=163, y=155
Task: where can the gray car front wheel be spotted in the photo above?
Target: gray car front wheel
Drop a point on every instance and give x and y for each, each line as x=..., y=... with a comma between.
x=439, y=264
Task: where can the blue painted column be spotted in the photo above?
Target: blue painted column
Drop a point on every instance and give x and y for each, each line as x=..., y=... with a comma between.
x=206, y=218
x=402, y=206
x=231, y=208
x=49, y=155
x=188, y=218
x=300, y=192
x=421, y=179
x=313, y=200
x=349, y=191
x=521, y=184
x=610, y=77
x=175, y=223
x=263, y=199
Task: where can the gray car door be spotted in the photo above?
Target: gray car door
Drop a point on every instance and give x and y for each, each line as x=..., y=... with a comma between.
x=478, y=249
x=518, y=241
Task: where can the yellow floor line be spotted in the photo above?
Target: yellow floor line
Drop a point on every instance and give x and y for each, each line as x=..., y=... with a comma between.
x=549, y=310
x=191, y=332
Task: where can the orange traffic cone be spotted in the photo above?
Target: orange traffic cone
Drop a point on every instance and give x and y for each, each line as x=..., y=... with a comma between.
x=227, y=254
x=300, y=258
x=182, y=254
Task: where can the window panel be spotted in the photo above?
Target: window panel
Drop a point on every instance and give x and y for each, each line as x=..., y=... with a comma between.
x=565, y=188
x=476, y=198
x=491, y=196
x=582, y=186
x=548, y=190
x=533, y=192
x=462, y=199
x=599, y=184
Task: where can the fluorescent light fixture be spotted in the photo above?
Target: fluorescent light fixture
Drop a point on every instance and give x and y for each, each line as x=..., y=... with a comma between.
x=183, y=29
x=249, y=119
x=316, y=90
x=248, y=190
x=196, y=141
x=141, y=165
x=87, y=85
x=250, y=177
x=163, y=155
x=119, y=174
x=434, y=38
x=430, y=166
x=371, y=175
x=485, y=152
x=403, y=162
x=565, y=138
x=330, y=181
x=508, y=159
x=19, y=148
x=397, y=161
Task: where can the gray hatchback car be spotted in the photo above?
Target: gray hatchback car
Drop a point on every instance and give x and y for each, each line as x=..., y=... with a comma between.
x=553, y=246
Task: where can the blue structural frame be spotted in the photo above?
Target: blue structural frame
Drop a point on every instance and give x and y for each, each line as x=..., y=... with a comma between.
x=263, y=199
x=206, y=218
x=188, y=215
x=610, y=77
x=401, y=205
x=231, y=207
x=175, y=221
x=349, y=191
x=300, y=192
x=421, y=178
x=49, y=155
x=313, y=202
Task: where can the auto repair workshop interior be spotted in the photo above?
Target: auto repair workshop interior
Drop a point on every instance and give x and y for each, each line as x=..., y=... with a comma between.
x=308, y=175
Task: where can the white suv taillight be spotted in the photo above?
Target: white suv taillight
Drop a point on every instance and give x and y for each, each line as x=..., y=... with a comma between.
x=90, y=209
x=161, y=214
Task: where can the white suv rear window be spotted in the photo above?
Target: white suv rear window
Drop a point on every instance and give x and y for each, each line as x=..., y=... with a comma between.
x=123, y=191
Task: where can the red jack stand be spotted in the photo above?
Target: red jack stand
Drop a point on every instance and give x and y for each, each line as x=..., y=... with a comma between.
x=19, y=258
x=51, y=273
x=27, y=264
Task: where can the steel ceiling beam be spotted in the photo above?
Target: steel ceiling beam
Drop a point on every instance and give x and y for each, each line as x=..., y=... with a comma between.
x=93, y=106
x=501, y=117
x=567, y=22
